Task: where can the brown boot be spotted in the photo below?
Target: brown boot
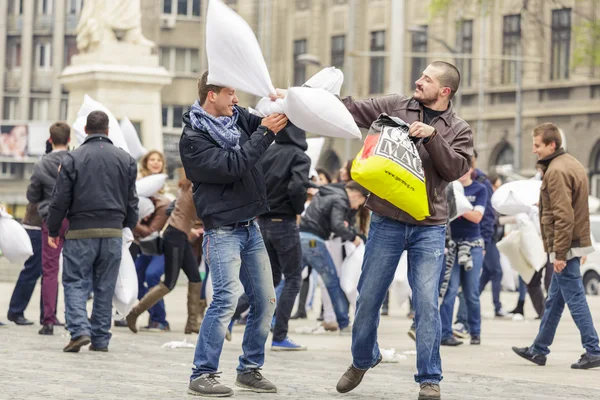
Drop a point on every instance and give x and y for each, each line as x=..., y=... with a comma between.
x=193, y=305
x=151, y=298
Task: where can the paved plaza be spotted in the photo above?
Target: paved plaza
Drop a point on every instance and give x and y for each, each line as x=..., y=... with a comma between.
x=137, y=367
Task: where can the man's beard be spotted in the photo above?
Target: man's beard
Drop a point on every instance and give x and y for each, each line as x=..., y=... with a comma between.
x=425, y=100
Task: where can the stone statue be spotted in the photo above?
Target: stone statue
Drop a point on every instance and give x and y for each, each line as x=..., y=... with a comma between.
x=110, y=21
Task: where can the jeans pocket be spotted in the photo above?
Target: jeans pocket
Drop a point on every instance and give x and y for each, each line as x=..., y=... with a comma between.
x=376, y=218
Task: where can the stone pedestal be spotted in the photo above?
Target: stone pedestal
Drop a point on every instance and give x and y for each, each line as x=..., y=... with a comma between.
x=126, y=79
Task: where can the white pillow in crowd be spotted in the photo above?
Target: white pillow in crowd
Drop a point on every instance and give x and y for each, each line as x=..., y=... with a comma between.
x=330, y=79
x=126, y=288
x=266, y=106
x=136, y=150
x=14, y=240
x=145, y=207
x=318, y=111
x=532, y=246
x=510, y=246
x=351, y=269
x=315, y=147
x=463, y=204
x=234, y=56
x=114, y=129
x=150, y=185
x=516, y=197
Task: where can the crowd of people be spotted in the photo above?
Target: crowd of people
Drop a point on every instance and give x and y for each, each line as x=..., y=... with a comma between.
x=249, y=207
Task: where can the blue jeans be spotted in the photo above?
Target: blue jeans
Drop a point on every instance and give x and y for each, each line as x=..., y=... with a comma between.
x=567, y=287
x=522, y=289
x=462, y=315
x=98, y=261
x=235, y=255
x=469, y=280
x=282, y=240
x=492, y=271
x=149, y=271
x=28, y=278
x=316, y=256
x=425, y=245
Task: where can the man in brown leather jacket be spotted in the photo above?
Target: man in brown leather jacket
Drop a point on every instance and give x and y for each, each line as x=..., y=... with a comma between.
x=565, y=226
x=445, y=148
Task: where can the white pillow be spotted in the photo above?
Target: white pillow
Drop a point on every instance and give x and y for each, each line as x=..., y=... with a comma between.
x=114, y=129
x=150, y=185
x=145, y=207
x=330, y=79
x=510, y=246
x=516, y=197
x=132, y=139
x=320, y=112
x=14, y=240
x=234, y=56
x=532, y=246
x=463, y=204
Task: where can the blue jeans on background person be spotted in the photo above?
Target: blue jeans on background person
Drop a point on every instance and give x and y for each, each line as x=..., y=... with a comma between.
x=522, y=289
x=462, y=315
x=98, y=261
x=566, y=287
x=234, y=255
x=316, y=255
x=469, y=280
x=492, y=271
x=425, y=245
x=149, y=270
x=28, y=278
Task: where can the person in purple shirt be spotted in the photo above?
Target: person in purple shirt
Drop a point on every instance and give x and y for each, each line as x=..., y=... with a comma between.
x=468, y=260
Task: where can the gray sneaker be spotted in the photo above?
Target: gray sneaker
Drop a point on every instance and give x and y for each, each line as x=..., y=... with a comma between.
x=254, y=381
x=430, y=391
x=208, y=386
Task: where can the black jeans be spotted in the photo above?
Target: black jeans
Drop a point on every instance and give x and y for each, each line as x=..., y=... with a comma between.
x=179, y=255
x=282, y=240
x=28, y=278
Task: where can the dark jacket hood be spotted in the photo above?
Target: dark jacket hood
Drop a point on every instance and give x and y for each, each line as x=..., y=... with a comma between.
x=333, y=189
x=291, y=134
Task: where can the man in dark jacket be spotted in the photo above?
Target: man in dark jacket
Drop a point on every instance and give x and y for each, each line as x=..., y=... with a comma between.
x=43, y=179
x=96, y=191
x=327, y=215
x=221, y=148
x=445, y=148
x=286, y=169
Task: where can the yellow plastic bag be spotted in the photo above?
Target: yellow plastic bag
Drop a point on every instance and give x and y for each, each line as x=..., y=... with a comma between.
x=389, y=166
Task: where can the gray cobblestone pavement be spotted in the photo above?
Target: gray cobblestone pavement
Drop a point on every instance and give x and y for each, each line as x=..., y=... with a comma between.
x=34, y=366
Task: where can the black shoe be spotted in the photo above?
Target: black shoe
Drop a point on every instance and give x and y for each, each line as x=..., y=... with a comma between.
x=586, y=362
x=353, y=377
x=524, y=352
x=76, y=344
x=451, y=341
x=121, y=324
x=47, y=330
x=100, y=349
x=255, y=382
x=299, y=315
x=20, y=320
x=476, y=340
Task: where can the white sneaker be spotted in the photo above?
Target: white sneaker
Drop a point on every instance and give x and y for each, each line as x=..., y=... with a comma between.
x=460, y=330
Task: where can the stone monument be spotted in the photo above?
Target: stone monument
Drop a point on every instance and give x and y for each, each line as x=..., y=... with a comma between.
x=116, y=67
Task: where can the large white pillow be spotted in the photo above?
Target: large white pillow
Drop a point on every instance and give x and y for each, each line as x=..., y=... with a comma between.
x=150, y=185
x=132, y=139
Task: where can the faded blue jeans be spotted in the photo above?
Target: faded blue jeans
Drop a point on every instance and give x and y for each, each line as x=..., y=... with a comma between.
x=98, y=261
x=567, y=287
x=316, y=255
x=425, y=245
x=149, y=270
x=469, y=280
x=235, y=255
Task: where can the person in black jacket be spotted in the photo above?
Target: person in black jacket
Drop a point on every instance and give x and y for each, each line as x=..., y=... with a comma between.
x=41, y=186
x=220, y=148
x=327, y=215
x=286, y=169
x=96, y=191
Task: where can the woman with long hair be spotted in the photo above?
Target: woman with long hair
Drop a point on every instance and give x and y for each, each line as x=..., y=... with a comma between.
x=179, y=255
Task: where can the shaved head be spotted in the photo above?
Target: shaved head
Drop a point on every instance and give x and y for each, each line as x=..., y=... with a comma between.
x=449, y=77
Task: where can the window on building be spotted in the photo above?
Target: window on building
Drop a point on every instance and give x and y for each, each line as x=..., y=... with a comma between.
x=561, y=43
x=15, y=7
x=419, y=45
x=10, y=170
x=180, y=60
x=302, y=4
x=185, y=8
x=74, y=7
x=511, y=35
x=464, y=44
x=45, y=7
x=194, y=61
x=165, y=116
x=177, y=116
x=180, y=57
x=39, y=109
x=167, y=6
x=64, y=109
x=43, y=55
x=11, y=105
x=164, y=56
x=338, y=51
x=377, y=73
x=300, y=47
x=172, y=116
x=13, y=59
x=70, y=49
